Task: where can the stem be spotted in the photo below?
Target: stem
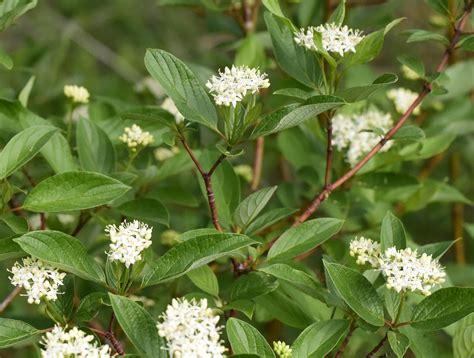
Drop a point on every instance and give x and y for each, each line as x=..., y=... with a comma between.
x=324, y=194
x=378, y=346
x=257, y=166
x=344, y=344
x=9, y=299
x=69, y=120
x=132, y=158
x=400, y=308
x=327, y=180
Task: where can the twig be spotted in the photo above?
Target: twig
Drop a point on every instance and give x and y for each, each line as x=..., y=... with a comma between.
x=257, y=164
x=9, y=299
x=371, y=354
x=457, y=213
x=80, y=225
x=327, y=177
x=324, y=194
x=344, y=344
x=207, y=177
x=109, y=336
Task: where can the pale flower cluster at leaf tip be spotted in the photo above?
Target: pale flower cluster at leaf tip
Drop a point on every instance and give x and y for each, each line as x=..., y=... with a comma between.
x=191, y=331
x=365, y=251
x=128, y=241
x=233, y=84
x=135, y=136
x=62, y=343
x=39, y=279
x=335, y=38
x=282, y=349
x=77, y=94
x=170, y=106
x=356, y=133
x=403, y=99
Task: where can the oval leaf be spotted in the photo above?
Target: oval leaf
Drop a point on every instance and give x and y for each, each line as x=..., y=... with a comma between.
x=146, y=209
x=392, y=232
x=74, y=191
x=13, y=331
x=252, y=205
x=62, y=251
x=246, y=339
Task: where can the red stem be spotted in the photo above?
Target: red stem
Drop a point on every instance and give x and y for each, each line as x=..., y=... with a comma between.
x=9, y=299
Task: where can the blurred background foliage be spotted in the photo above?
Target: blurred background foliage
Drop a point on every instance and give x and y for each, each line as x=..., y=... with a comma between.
x=101, y=45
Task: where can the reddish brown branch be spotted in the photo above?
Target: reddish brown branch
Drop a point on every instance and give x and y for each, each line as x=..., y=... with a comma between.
x=371, y=354
x=323, y=195
x=327, y=177
x=257, y=164
x=344, y=344
x=9, y=299
x=113, y=341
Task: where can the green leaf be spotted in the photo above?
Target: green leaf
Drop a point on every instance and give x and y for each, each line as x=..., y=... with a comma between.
x=9, y=249
x=320, y=338
x=146, y=209
x=294, y=59
x=252, y=205
x=246, y=339
x=295, y=93
x=392, y=232
x=357, y=292
x=409, y=132
x=25, y=92
x=424, y=35
x=204, y=278
x=463, y=339
x=467, y=43
x=74, y=191
x=440, y=6
x=268, y=219
x=291, y=116
x=443, y=308
x=62, y=251
x=399, y=343
x=13, y=9
x=138, y=325
x=193, y=253
x=96, y=152
x=338, y=14
x=274, y=7
x=413, y=63
x=17, y=224
x=62, y=308
x=436, y=249
x=90, y=306
x=360, y=93
x=182, y=86
x=13, y=331
x=297, y=278
x=297, y=240
x=252, y=285
x=370, y=46
x=5, y=59
x=23, y=147
x=392, y=301
x=427, y=147
x=250, y=52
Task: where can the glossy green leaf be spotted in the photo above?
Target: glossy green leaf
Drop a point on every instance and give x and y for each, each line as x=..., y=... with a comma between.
x=357, y=292
x=139, y=326
x=463, y=339
x=304, y=237
x=412, y=63
x=17, y=224
x=13, y=331
x=74, y=191
x=268, y=219
x=145, y=209
x=23, y=147
x=320, y=338
x=62, y=251
x=424, y=35
x=360, y=93
x=9, y=249
x=193, y=253
x=90, y=306
x=5, y=59
x=246, y=339
x=204, y=278
x=12, y=9
x=399, y=343
x=252, y=205
x=182, y=86
x=436, y=249
x=392, y=232
x=96, y=152
x=443, y=308
x=338, y=14
x=252, y=285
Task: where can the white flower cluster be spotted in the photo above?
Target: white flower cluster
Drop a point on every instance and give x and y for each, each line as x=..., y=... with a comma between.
x=134, y=137
x=128, y=241
x=77, y=94
x=335, y=38
x=170, y=106
x=233, y=84
x=60, y=343
x=355, y=133
x=38, y=279
x=405, y=270
x=403, y=99
x=191, y=331
x=365, y=251
x=282, y=349
x=161, y=154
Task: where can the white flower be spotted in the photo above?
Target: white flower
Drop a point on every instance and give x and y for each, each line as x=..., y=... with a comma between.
x=78, y=94
x=365, y=251
x=334, y=38
x=162, y=154
x=233, y=84
x=128, y=241
x=356, y=133
x=282, y=349
x=191, y=331
x=39, y=279
x=170, y=106
x=60, y=343
x=405, y=270
x=403, y=99
x=135, y=136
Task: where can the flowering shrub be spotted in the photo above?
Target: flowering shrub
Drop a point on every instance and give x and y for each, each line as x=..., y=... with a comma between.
x=280, y=200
